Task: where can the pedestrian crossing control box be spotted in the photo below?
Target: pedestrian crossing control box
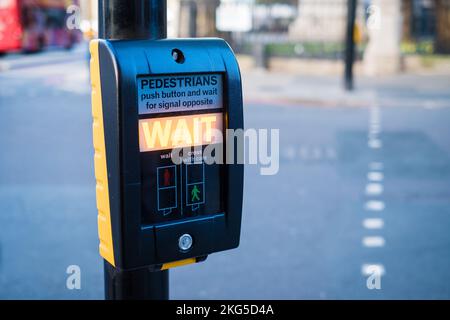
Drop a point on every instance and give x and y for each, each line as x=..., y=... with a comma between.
x=162, y=110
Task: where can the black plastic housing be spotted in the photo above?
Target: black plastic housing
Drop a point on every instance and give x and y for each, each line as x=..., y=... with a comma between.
x=135, y=243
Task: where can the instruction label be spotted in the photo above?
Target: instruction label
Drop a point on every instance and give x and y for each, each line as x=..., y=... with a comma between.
x=175, y=93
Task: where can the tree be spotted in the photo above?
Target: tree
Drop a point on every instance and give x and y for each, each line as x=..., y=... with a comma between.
x=442, y=44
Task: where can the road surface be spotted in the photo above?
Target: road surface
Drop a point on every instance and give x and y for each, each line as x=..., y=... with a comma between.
x=359, y=187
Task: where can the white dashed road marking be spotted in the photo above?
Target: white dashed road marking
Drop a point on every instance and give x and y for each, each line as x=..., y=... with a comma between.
x=373, y=223
x=373, y=242
x=374, y=189
x=309, y=153
x=374, y=176
x=304, y=152
x=375, y=143
x=369, y=269
x=290, y=153
x=317, y=153
x=375, y=205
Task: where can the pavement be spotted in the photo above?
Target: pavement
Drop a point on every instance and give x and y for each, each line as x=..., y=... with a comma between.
x=422, y=90
x=363, y=185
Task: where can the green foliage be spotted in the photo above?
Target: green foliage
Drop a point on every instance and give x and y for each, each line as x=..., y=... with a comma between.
x=419, y=47
x=309, y=48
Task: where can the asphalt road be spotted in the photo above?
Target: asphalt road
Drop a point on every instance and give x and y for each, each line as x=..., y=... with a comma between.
x=358, y=186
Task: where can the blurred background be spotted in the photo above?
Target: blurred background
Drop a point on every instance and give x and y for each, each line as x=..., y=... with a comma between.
x=364, y=179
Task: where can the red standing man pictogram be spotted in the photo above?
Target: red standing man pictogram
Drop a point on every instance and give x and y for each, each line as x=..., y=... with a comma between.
x=166, y=178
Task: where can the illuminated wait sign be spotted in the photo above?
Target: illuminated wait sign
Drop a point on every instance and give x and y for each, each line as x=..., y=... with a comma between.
x=179, y=132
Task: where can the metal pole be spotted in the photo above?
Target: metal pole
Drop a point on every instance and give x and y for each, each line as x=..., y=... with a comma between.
x=134, y=20
x=350, y=44
x=139, y=284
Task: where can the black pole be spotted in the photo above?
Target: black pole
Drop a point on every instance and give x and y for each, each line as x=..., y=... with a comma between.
x=134, y=20
x=139, y=284
x=350, y=44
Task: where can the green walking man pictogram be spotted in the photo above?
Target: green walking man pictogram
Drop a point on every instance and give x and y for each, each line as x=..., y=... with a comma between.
x=194, y=194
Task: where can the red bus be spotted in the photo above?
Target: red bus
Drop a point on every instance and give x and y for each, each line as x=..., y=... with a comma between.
x=31, y=25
